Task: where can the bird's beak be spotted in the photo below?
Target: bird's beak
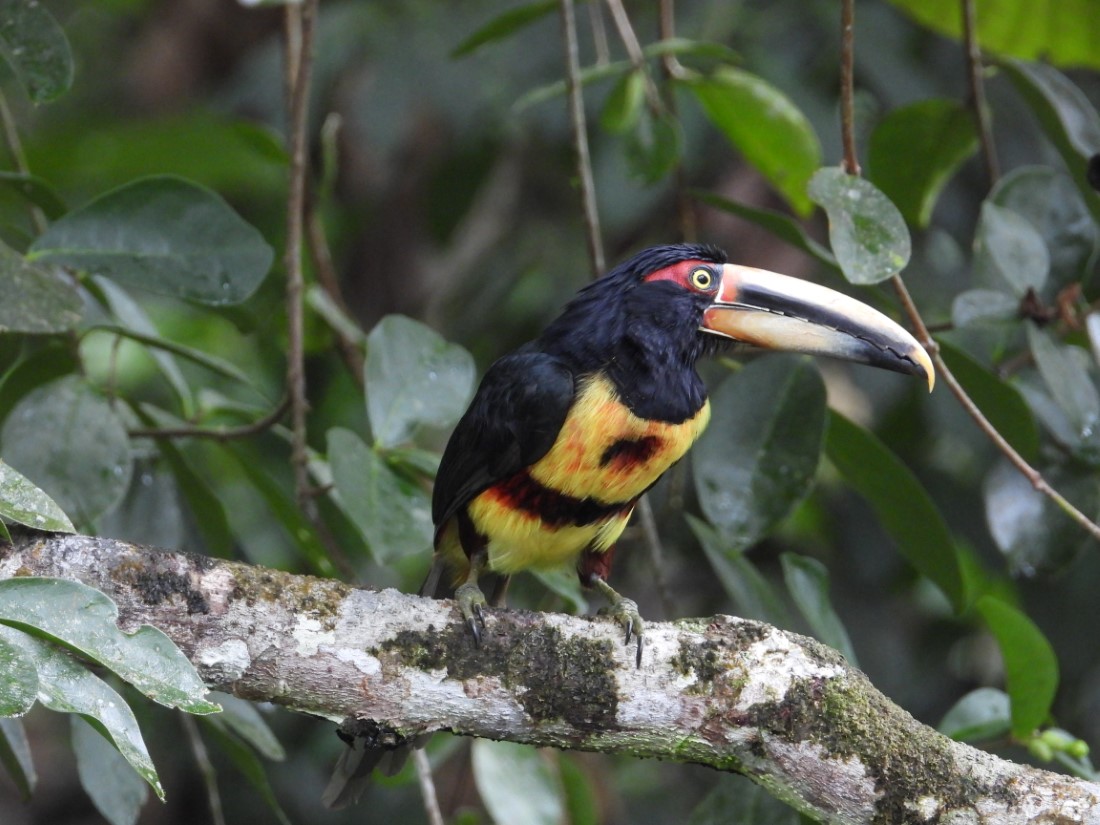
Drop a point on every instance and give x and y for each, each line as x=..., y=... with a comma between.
x=778, y=312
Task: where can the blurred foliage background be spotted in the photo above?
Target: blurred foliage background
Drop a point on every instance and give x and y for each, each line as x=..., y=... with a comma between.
x=445, y=187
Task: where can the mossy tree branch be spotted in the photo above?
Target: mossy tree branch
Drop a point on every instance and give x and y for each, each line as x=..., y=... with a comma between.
x=733, y=694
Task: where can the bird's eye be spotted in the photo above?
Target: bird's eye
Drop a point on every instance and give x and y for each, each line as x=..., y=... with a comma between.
x=702, y=278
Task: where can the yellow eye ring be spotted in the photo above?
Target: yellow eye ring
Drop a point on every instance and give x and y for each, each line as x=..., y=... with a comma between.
x=702, y=278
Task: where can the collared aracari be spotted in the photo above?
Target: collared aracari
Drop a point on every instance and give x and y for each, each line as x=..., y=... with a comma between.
x=565, y=434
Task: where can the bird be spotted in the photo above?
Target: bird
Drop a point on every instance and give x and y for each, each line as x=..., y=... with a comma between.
x=565, y=434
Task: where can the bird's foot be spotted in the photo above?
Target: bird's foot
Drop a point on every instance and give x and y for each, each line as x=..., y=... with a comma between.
x=625, y=612
x=472, y=604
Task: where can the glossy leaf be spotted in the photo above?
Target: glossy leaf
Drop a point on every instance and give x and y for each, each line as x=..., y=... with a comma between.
x=67, y=439
x=1009, y=251
x=983, y=306
x=66, y=686
x=15, y=756
x=916, y=149
x=36, y=191
x=505, y=24
x=808, y=583
x=782, y=226
x=758, y=456
x=245, y=721
x=516, y=783
x=1070, y=385
x=34, y=45
x=116, y=791
x=36, y=300
x=1066, y=115
x=151, y=512
x=765, y=126
x=207, y=509
x=624, y=104
x=752, y=595
x=981, y=715
x=392, y=513
x=23, y=503
x=998, y=400
x=86, y=620
x=866, y=231
x=53, y=360
x=1064, y=32
x=1048, y=200
x=414, y=378
x=164, y=234
x=735, y=800
x=901, y=503
x=653, y=147
x=1031, y=668
x=18, y=680
x=1034, y=534
x=582, y=794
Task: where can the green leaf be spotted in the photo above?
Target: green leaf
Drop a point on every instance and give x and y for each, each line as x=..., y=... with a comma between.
x=1031, y=668
x=1065, y=32
x=582, y=797
x=808, y=583
x=116, y=791
x=901, y=503
x=36, y=191
x=414, y=378
x=765, y=126
x=866, y=231
x=66, y=686
x=246, y=761
x=752, y=594
x=36, y=300
x=981, y=715
x=217, y=365
x=759, y=454
x=916, y=149
x=85, y=620
x=566, y=584
x=782, y=226
x=504, y=24
x=983, y=306
x=1065, y=113
x=1009, y=251
x=737, y=801
x=653, y=146
x=624, y=104
x=1001, y=402
x=34, y=45
x=1034, y=534
x=516, y=783
x=52, y=360
x=164, y=234
x=23, y=503
x=68, y=439
x=392, y=513
x=15, y=756
x=1070, y=385
x=207, y=508
x=1048, y=200
x=18, y=680
x=245, y=721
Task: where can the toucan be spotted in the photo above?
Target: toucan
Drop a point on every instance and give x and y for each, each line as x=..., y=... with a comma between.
x=565, y=434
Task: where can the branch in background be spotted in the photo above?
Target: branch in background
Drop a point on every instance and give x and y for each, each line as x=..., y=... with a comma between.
x=298, y=41
x=977, y=90
x=671, y=68
x=217, y=433
x=851, y=165
x=15, y=146
x=580, y=138
x=736, y=695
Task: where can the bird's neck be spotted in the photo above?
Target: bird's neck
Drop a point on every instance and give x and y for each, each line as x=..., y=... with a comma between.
x=655, y=381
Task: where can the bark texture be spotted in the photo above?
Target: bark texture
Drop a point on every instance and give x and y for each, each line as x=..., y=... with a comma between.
x=730, y=693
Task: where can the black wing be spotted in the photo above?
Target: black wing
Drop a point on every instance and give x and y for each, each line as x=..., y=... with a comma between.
x=511, y=423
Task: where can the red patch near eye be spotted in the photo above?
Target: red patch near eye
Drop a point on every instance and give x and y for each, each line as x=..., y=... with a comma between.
x=679, y=273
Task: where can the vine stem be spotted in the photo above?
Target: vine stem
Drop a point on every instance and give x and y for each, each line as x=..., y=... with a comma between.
x=298, y=39
x=977, y=90
x=847, y=86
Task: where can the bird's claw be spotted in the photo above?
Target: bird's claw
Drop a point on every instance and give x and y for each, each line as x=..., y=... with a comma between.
x=625, y=612
x=471, y=603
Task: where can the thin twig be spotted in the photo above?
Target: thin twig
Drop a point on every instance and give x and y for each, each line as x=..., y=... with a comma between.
x=427, y=786
x=599, y=34
x=634, y=51
x=1018, y=461
x=847, y=86
x=206, y=768
x=977, y=91
x=15, y=146
x=217, y=433
x=580, y=137
x=671, y=69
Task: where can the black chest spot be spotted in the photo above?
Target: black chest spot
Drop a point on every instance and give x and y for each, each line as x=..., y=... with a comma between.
x=629, y=452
